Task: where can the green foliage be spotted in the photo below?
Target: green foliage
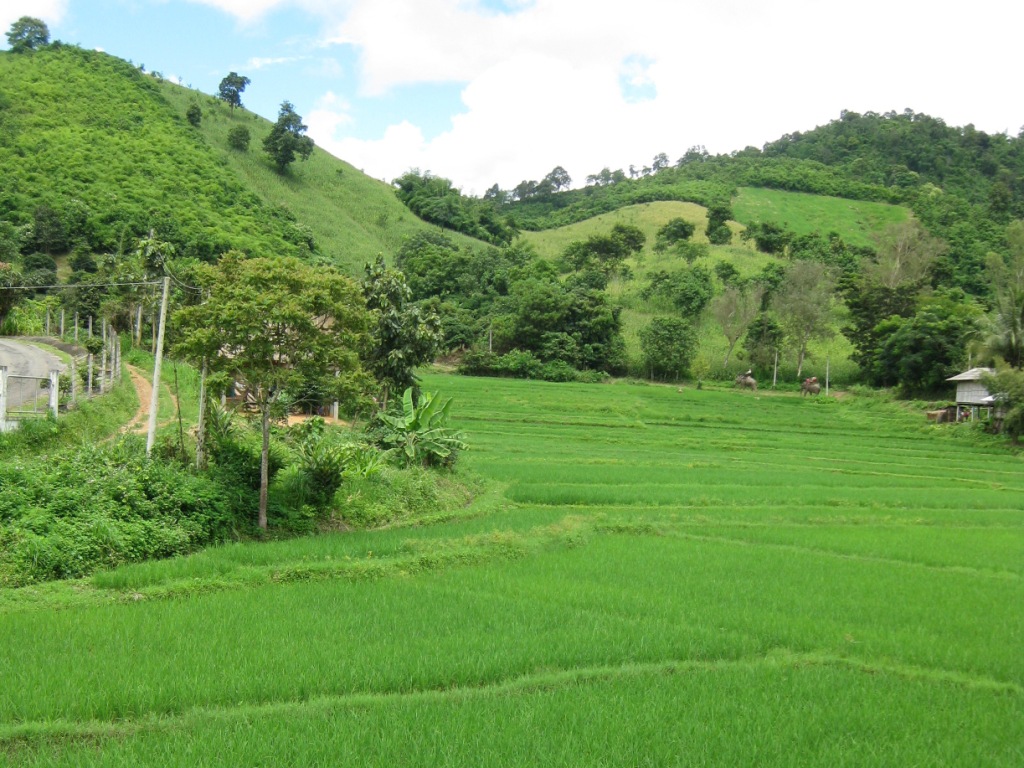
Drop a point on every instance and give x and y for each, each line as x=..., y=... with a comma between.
x=669, y=345
x=97, y=157
x=286, y=139
x=769, y=237
x=239, y=138
x=436, y=199
x=688, y=290
x=420, y=433
x=675, y=230
x=402, y=336
x=194, y=115
x=1007, y=385
x=1007, y=275
x=27, y=34
x=764, y=338
x=230, y=89
x=718, y=231
x=920, y=352
x=101, y=507
x=605, y=253
x=279, y=328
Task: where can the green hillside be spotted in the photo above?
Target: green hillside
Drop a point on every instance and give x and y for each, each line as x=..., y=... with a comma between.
x=108, y=151
x=351, y=216
x=858, y=222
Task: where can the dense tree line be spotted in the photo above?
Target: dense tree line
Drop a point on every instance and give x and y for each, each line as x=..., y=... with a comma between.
x=437, y=200
x=513, y=312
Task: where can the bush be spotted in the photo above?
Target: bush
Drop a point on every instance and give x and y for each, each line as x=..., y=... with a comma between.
x=239, y=138
x=101, y=507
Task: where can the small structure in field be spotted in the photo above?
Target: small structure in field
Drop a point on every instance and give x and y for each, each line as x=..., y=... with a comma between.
x=971, y=394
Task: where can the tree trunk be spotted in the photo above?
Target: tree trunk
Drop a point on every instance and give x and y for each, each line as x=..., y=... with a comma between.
x=265, y=465
x=728, y=352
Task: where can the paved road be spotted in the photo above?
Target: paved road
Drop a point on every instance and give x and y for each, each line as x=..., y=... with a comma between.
x=25, y=360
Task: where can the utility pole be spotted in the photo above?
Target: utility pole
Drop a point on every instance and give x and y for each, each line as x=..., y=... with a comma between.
x=151, y=435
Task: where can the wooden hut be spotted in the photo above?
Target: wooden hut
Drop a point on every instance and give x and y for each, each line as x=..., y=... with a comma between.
x=971, y=395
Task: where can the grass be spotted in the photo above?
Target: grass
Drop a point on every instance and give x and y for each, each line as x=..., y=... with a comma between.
x=352, y=216
x=656, y=577
x=857, y=221
x=637, y=313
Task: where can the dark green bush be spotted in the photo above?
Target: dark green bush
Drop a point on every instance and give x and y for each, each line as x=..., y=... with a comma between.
x=99, y=507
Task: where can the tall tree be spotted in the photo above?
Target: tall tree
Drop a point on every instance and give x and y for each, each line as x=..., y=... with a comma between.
x=919, y=353
x=286, y=139
x=10, y=276
x=27, y=34
x=230, y=89
x=276, y=326
x=559, y=179
x=402, y=336
x=735, y=309
x=804, y=305
x=668, y=344
x=890, y=284
x=1007, y=275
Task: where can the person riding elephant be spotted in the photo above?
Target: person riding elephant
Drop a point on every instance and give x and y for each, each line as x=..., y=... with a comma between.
x=810, y=386
x=746, y=381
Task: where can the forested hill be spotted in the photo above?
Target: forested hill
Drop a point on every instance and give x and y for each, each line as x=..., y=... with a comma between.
x=964, y=185
x=97, y=153
x=904, y=151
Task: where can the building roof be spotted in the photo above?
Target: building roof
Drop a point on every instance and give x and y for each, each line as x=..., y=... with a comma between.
x=974, y=374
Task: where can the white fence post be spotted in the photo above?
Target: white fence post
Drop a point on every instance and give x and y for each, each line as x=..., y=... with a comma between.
x=3, y=397
x=54, y=391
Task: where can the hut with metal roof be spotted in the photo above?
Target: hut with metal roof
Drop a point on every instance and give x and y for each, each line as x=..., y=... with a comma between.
x=971, y=394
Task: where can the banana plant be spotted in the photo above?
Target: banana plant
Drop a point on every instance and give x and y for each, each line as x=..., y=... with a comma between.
x=420, y=435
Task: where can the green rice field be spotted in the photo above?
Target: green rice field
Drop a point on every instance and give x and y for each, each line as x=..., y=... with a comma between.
x=651, y=576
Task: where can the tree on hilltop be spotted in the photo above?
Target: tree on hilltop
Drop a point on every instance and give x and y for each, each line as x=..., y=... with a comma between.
x=286, y=139
x=231, y=88
x=27, y=34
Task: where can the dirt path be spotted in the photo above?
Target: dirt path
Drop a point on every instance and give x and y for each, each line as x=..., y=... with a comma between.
x=140, y=421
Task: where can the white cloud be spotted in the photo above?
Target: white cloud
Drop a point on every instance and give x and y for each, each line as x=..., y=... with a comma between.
x=244, y=10
x=543, y=85
x=50, y=11
x=261, y=62
x=593, y=83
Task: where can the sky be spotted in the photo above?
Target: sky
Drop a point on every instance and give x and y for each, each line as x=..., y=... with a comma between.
x=498, y=91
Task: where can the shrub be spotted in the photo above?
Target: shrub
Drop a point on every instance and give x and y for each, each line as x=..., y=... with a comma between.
x=101, y=507
x=239, y=138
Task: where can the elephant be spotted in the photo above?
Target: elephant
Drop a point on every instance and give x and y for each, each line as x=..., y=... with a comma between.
x=746, y=381
x=810, y=386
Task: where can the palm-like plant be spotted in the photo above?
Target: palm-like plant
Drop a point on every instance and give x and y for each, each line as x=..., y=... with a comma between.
x=420, y=435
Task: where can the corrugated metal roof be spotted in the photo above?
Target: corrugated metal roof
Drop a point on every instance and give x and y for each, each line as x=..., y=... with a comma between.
x=974, y=374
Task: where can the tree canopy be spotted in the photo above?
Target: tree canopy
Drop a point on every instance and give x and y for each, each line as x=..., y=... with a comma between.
x=230, y=89
x=27, y=34
x=277, y=327
x=286, y=139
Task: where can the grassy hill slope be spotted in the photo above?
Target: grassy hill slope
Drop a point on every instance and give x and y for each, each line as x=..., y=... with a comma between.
x=109, y=150
x=856, y=221
x=351, y=216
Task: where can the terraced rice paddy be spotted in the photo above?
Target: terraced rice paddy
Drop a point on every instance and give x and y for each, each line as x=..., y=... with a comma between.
x=661, y=578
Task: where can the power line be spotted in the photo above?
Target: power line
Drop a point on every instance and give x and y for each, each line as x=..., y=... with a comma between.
x=67, y=286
